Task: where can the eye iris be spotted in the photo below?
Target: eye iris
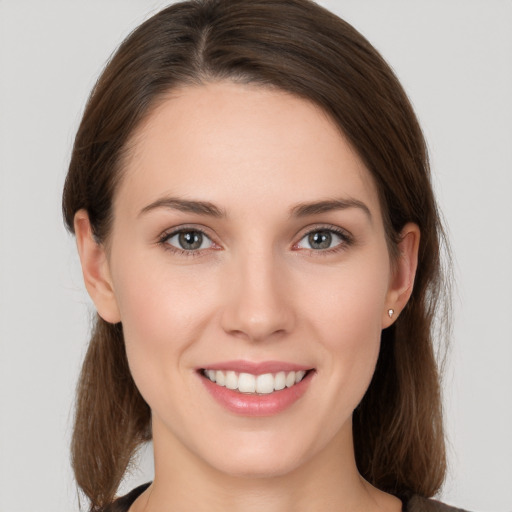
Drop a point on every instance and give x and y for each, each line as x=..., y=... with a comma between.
x=190, y=240
x=320, y=239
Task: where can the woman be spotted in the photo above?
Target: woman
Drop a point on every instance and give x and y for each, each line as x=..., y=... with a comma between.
x=250, y=193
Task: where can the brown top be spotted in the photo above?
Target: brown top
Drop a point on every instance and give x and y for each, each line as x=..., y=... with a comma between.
x=413, y=504
x=418, y=504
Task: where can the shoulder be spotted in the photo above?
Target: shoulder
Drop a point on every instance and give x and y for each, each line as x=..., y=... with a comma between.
x=418, y=504
x=125, y=502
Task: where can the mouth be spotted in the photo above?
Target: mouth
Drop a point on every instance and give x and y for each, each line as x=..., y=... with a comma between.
x=256, y=389
x=249, y=383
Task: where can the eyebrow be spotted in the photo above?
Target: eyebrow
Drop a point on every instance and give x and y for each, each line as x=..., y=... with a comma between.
x=211, y=210
x=314, y=208
x=185, y=205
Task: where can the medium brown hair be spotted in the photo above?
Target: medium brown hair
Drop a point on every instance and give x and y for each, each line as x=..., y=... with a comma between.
x=299, y=47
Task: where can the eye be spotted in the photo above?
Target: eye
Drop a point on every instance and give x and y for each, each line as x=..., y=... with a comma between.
x=323, y=239
x=188, y=240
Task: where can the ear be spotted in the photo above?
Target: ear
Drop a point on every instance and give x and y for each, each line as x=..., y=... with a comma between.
x=403, y=273
x=95, y=269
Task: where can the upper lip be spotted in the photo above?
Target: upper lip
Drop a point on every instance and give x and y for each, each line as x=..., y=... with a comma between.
x=256, y=368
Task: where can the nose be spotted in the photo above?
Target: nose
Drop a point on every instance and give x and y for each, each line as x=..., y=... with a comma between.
x=259, y=299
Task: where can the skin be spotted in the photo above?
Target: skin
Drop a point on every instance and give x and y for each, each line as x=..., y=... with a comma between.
x=255, y=290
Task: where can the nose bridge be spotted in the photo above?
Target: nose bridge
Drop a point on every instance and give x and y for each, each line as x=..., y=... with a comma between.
x=258, y=305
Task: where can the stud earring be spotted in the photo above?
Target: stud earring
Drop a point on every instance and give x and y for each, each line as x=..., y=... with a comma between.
x=391, y=312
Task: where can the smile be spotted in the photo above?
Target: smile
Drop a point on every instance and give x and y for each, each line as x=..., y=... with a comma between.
x=256, y=389
x=263, y=384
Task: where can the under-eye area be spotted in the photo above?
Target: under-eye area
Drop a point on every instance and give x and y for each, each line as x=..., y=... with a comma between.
x=263, y=384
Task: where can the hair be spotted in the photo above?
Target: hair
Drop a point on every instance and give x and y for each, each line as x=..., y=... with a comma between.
x=299, y=47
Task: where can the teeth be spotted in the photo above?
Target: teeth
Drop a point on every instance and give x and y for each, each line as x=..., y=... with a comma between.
x=280, y=381
x=220, y=378
x=231, y=380
x=248, y=383
x=265, y=383
x=299, y=376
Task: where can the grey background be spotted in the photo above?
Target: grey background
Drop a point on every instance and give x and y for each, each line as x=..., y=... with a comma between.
x=454, y=58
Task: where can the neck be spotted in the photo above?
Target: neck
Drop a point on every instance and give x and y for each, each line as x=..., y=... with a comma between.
x=327, y=482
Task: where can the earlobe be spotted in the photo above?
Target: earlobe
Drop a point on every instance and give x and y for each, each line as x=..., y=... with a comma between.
x=95, y=269
x=403, y=273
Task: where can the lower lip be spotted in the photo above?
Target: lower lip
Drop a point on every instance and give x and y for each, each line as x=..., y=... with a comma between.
x=246, y=404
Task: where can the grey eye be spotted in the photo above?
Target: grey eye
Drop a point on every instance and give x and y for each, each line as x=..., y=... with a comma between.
x=189, y=240
x=320, y=239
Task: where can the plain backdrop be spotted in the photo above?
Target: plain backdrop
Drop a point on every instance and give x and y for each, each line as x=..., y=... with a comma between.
x=454, y=58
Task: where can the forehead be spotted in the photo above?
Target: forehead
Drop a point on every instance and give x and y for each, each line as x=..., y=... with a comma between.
x=225, y=140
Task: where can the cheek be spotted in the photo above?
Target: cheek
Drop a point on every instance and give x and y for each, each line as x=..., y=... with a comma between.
x=347, y=319
x=161, y=315
x=350, y=299
x=158, y=302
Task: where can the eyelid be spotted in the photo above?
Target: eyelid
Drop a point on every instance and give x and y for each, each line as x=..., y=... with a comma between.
x=176, y=230
x=346, y=236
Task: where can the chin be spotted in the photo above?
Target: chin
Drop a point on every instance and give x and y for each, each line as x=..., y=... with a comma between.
x=258, y=456
x=256, y=467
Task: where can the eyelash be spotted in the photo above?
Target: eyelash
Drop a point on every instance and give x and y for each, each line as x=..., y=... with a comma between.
x=347, y=241
x=163, y=240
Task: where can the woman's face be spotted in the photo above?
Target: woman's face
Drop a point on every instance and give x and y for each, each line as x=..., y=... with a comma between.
x=248, y=247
